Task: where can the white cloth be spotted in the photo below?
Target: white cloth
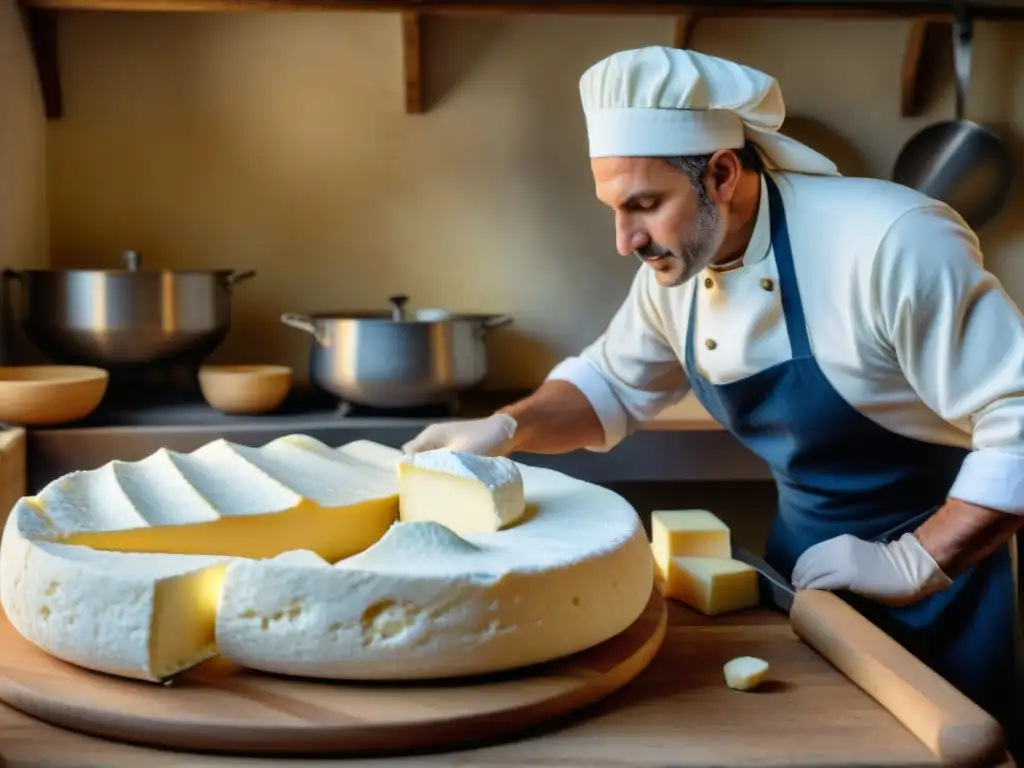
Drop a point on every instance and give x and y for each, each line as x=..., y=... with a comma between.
x=903, y=319
x=663, y=102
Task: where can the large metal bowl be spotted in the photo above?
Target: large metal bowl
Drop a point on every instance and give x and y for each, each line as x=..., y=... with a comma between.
x=388, y=360
x=124, y=317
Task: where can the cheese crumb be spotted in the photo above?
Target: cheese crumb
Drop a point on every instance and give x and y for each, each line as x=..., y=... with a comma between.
x=745, y=673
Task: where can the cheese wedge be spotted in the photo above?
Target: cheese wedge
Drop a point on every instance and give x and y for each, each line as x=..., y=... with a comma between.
x=134, y=615
x=712, y=585
x=288, y=557
x=425, y=602
x=745, y=672
x=171, y=517
x=464, y=492
x=687, y=532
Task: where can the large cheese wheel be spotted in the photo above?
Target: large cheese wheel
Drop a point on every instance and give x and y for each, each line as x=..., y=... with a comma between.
x=290, y=558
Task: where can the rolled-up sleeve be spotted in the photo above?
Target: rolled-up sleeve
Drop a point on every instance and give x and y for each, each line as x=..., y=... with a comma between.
x=959, y=340
x=630, y=372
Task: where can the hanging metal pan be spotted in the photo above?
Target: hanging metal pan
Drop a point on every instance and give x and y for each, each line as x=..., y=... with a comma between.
x=959, y=162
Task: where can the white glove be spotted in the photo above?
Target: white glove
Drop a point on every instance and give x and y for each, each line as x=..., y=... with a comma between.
x=485, y=437
x=897, y=573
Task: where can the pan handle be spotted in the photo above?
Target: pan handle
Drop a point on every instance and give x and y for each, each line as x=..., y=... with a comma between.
x=963, y=48
x=491, y=323
x=237, y=277
x=497, y=321
x=303, y=323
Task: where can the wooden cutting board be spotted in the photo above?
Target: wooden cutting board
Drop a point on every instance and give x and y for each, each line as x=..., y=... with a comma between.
x=219, y=707
x=677, y=712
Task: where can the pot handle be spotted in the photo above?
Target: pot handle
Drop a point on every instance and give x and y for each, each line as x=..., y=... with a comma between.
x=398, y=308
x=491, y=323
x=303, y=323
x=237, y=277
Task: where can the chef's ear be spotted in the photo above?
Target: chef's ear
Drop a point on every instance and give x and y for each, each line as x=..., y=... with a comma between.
x=723, y=174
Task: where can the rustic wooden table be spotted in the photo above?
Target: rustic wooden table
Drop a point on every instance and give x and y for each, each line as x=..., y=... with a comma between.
x=677, y=713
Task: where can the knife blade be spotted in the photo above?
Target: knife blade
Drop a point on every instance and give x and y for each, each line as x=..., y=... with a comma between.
x=771, y=583
x=953, y=727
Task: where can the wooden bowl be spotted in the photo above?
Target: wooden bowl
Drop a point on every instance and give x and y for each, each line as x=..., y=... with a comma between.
x=245, y=388
x=36, y=395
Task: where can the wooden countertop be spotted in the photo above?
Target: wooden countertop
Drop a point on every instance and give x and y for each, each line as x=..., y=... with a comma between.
x=677, y=713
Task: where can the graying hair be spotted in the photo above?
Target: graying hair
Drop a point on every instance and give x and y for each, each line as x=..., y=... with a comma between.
x=695, y=166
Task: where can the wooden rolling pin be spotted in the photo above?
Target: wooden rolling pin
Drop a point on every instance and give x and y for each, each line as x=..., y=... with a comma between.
x=954, y=728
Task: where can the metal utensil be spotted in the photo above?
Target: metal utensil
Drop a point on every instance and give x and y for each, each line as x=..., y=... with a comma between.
x=772, y=584
x=396, y=359
x=959, y=161
x=131, y=316
x=953, y=727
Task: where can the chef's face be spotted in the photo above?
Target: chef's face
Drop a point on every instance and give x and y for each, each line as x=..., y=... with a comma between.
x=660, y=215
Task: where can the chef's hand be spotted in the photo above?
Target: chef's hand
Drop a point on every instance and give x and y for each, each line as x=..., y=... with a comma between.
x=896, y=573
x=485, y=437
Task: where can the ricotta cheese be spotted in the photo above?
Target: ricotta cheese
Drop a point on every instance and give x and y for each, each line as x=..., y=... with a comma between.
x=288, y=558
x=464, y=492
x=134, y=615
x=223, y=499
x=119, y=569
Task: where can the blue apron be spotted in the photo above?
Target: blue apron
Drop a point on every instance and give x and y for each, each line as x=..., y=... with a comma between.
x=839, y=472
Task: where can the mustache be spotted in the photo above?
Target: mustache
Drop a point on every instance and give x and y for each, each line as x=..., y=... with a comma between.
x=653, y=251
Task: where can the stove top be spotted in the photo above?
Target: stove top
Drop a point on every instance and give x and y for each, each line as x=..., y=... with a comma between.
x=144, y=407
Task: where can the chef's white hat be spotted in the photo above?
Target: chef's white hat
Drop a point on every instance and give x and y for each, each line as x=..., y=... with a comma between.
x=663, y=102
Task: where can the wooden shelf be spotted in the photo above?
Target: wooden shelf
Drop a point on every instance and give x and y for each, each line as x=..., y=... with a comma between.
x=684, y=30
x=931, y=17
x=412, y=53
x=863, y=8
x=926, y=41
x=42, y=30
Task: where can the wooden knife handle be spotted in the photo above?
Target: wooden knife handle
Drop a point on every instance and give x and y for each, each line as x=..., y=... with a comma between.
x=953, y=727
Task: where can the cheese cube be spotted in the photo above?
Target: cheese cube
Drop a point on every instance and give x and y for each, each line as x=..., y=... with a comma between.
x=712, y=585
x=687, y=533
x=464, y=492
x=744, y=672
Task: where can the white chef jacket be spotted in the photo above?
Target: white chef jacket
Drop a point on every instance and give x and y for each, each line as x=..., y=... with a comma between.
x=903, y=320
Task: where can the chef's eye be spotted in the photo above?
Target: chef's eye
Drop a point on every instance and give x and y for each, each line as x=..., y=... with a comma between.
x=643, y=204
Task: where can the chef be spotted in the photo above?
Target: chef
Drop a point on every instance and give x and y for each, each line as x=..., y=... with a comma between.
x=843, y=329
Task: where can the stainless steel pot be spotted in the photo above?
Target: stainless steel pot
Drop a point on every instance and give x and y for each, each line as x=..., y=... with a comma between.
x=132, y=316
x=388, y=359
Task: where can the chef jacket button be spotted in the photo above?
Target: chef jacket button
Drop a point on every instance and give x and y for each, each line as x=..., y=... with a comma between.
x=708, y=282
x=766, y=283
x=710, y=343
